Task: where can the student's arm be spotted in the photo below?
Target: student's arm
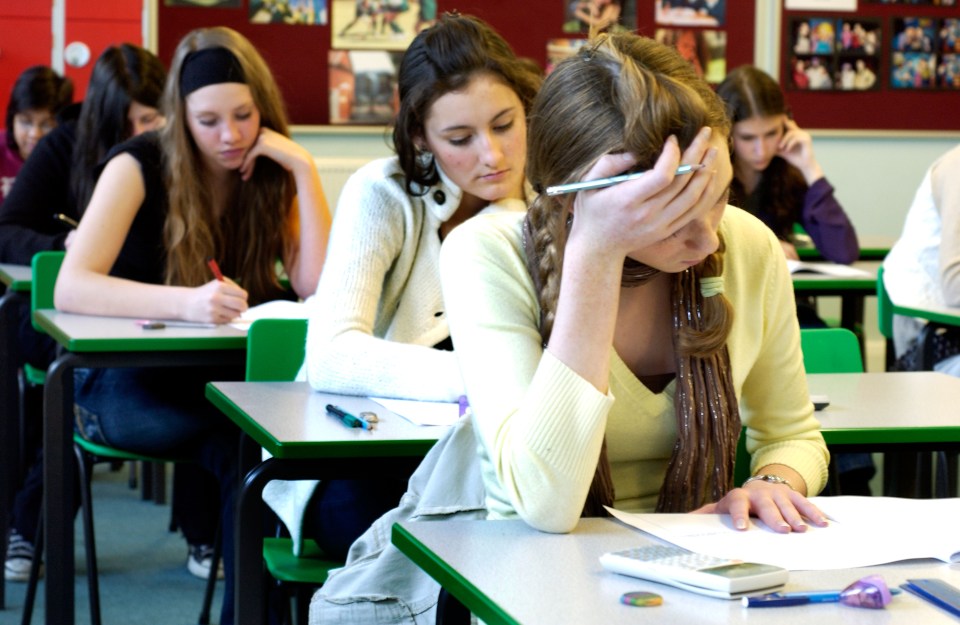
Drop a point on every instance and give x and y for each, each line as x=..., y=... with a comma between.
x=945, y=182
x=822, y=216
x=309, y=216
x=42, y=188
x=84, y=284
x=374, y=221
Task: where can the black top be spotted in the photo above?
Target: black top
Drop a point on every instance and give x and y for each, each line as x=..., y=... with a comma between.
x=42, y=188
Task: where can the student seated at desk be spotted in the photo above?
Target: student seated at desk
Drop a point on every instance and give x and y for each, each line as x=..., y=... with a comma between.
x=223, y=180
x=379, y=325
x=37, y=97
x=923, y=267
x=121, y=102
x=613, y=342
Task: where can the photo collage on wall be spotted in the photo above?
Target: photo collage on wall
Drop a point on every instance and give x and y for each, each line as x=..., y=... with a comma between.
x=925, y=53
x=368, y=41
x=691, y=26
x=827, y=53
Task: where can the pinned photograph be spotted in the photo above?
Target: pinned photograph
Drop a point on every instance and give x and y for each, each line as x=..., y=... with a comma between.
x=559, y=49
x=913, y=70
x=812, y=73
x=379, y=24
x=363, y=86
x=303, y=12
x=913, y=34
x=706, y=50
x=585, y=16
x=709, y=13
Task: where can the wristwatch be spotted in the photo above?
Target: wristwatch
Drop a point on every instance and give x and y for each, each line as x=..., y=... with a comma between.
x=767, y=477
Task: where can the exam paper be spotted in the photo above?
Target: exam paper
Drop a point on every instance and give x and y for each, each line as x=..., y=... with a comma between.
x=275, y=309
x=422, y=412
x=864, y=531
x=825, y=268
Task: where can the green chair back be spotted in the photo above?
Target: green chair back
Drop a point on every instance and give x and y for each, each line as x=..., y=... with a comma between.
x=884, y=307
x=830, y=350
x=275, y=349
x=46, y=267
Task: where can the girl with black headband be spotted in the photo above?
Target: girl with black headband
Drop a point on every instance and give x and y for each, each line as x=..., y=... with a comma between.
x=612, y=342
x=223, y=180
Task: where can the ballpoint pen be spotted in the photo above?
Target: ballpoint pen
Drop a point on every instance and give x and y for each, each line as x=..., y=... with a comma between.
x=869, y=592
x=348, y=419
x=600, y=183
x=70, y=221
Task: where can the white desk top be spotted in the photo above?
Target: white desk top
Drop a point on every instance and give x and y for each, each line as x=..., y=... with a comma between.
x=540, y=578
x=888, y=400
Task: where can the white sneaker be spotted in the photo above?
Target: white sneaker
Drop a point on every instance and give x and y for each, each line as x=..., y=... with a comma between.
x=199, y=561
x=20, y=554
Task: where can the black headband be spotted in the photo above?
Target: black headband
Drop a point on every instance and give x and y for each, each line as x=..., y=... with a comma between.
x=210, y=66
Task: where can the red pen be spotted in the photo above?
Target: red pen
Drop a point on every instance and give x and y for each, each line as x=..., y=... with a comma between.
x=215, y=268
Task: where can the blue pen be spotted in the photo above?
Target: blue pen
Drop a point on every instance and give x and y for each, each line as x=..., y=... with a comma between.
x=349, y=420
x=464, y=404
x=783, y=599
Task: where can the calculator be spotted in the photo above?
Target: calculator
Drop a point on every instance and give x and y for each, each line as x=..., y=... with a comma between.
x=706, y=575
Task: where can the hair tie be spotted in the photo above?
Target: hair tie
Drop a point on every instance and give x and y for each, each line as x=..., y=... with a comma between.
x=209, y=66
x=711, y=286
x=538, y=188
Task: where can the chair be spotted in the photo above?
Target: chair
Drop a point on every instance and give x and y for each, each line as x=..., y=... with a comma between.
x=899, y=478
x=275, y=351
x=46, y=267
x=825, y=350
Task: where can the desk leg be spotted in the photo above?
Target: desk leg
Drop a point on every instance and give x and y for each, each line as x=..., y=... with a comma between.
x=59, y=475
x=9, y=416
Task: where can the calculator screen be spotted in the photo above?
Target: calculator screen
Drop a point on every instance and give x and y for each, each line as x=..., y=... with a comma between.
x=740, y=569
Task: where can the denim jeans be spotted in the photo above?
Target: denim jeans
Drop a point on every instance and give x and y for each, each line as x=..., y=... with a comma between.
x=163, y=412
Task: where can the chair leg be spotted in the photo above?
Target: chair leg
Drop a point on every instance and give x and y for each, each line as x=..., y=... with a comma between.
x=89, y=538
x=450, y=611
x=204, y=618
x=31, y=595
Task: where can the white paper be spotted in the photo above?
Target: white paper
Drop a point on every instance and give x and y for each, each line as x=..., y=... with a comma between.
x=422, y=412
x=276, y=309
x=828, y=269
x=864, y=531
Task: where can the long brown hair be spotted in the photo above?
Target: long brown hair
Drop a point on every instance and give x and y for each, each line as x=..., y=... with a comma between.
x=251, y=234
x=622, y=94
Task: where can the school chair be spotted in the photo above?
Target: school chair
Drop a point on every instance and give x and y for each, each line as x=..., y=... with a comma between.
x=899, y=478
x=46, y=267
x=275, y=351
x=825, y=350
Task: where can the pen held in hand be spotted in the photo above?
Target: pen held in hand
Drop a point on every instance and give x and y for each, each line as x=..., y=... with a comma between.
x=349, y=420
x=215, y=268
x=601, y=183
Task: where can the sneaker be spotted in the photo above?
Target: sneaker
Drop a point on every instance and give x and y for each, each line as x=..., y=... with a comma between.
x=199, y=561
x=19, y=558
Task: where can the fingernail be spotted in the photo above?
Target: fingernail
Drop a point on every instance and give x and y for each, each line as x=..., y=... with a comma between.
x=741, y=524
x=706, y=131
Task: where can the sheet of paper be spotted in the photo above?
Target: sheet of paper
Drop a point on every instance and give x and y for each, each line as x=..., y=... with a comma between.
x=864, y=531
x=276, y=309
x=422, y=412
x=827, y=269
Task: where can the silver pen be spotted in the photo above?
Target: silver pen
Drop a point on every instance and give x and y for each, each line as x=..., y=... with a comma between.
x=600, y=183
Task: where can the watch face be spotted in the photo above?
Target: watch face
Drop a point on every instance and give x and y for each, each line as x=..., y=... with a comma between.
x=740, y=569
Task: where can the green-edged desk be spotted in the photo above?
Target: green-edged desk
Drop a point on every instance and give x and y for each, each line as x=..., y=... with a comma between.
x=100, y=342
x=872, y=247
x=16, y=280
x=850, y=290
x=507, y=573
x=890, y=410
x=290, y=422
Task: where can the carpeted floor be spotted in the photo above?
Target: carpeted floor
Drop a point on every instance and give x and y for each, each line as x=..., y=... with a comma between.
x=143, y=574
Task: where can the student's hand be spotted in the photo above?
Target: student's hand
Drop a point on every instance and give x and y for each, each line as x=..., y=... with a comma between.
x=796, y=147
x=277, y=147
x=782, y=509
x=632, y=215
x=217, y=301
x=789, y=250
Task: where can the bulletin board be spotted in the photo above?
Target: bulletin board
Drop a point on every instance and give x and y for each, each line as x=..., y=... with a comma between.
x=298, y=54
x=894, y=103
